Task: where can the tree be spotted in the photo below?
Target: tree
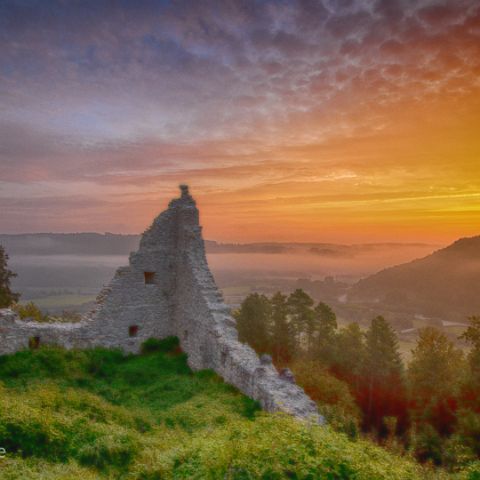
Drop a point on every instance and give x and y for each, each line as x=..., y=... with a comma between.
x=435, y=372
x=7, y=297
x=435, y=367
x=332, y=394
x=327, y=320
x=282, y=336
x=350, y=353
x=472, y=337
x=383, y=358
x=325, y=333
x=302, y=317
x=253, y=322
x=384, y=393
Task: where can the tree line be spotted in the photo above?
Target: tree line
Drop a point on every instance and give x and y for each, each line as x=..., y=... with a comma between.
x=429, y=406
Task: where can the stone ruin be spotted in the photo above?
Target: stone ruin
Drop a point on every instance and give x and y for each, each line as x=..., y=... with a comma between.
x=168, y=290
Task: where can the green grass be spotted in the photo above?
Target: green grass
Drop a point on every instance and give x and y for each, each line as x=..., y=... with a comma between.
x=98, y=414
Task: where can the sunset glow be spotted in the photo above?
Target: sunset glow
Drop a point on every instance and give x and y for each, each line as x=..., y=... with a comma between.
x=342, y=121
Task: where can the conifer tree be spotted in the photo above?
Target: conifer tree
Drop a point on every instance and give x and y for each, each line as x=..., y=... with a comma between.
x=302, y=317
x=472, y=337
x=435, y=366
x=383, y=373
x=325, y=333
x=350, y=353
x=7, y=297
x=434, y=373
x=253, y=322
x=283, y=338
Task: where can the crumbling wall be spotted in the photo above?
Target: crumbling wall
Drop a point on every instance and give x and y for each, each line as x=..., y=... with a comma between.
x=167, y=289
x=208, y=333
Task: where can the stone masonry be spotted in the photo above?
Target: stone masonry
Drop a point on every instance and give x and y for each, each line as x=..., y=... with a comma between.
x=167, y=289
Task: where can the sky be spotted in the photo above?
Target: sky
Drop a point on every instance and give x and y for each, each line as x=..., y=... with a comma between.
x=328, y=121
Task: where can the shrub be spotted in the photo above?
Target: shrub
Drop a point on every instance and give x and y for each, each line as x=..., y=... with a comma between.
x=332, y=395
x=30, y=311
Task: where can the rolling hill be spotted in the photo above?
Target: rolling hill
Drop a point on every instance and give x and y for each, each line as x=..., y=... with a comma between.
x=443, y=284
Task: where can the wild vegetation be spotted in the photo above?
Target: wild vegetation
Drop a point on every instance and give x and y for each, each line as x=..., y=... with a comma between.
x=99, y=414
x=429, y=407
x=31, y=311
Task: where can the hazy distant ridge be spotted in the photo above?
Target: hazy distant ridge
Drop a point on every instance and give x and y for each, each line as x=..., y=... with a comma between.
x=119, y=244
x=447, y=281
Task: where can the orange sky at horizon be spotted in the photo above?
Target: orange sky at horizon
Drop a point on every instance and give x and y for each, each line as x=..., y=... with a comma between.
x=337, y=121
x=421, y=184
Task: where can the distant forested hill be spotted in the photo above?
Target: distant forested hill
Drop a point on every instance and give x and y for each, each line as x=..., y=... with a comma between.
x=447, y=281
x=107, y=244
x=119, y=244
x=69, y=243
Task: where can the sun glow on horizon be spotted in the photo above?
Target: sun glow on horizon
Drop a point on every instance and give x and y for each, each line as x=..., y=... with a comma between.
x=352, y=121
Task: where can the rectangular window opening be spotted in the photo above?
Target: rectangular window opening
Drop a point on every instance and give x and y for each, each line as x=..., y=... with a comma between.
x=133, y=330
x=149, y=278
x=34, y=343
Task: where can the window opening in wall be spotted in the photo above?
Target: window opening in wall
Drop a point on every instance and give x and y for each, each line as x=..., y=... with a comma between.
x=34, y=343
x=133, y=330
x=149, y=278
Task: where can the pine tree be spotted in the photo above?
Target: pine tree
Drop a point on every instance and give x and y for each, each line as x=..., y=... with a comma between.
x=327, y=320
x=7, y=297
x=282, y=336
x=383, y=355
x=350, y=353
x=435, y=367
x=383, y=373
x=253, y=322
x=434, y=373
x=325, y=333
x=302, y=318
x=472, y=337
x=468, y=415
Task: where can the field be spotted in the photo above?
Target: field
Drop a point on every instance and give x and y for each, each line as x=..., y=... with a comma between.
x=99, y=414
x=61, y=301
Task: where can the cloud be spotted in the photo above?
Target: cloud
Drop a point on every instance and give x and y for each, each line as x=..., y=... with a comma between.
x=233, y=96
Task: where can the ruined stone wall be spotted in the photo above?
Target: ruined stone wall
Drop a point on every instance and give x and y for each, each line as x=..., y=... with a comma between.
x=167, y=289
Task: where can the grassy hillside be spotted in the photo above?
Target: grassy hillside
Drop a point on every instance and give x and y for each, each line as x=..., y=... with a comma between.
x=98, y=414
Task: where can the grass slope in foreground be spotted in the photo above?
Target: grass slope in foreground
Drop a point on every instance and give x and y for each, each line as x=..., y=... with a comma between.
x=99, y=414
